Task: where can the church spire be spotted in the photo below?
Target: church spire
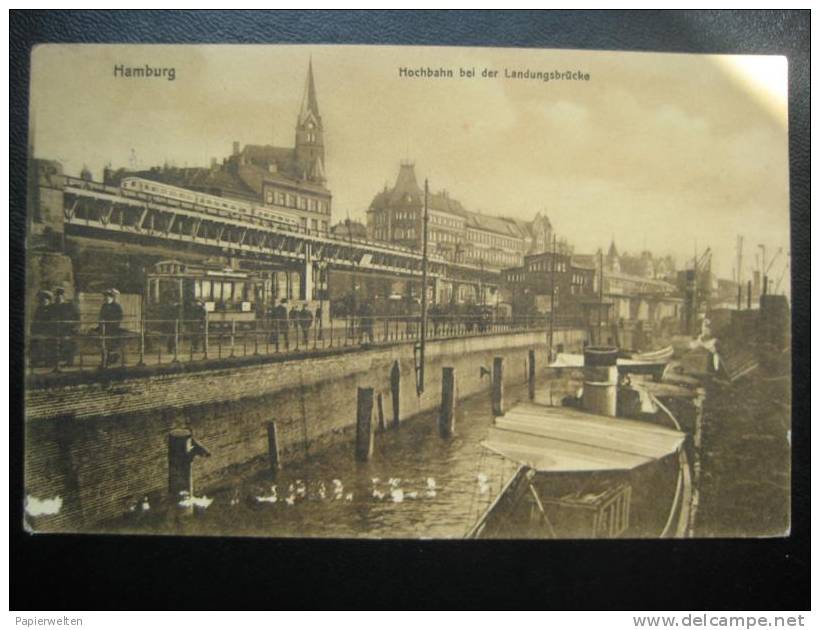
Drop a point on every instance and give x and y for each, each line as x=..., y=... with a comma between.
x=309, y=103
x=310, y=149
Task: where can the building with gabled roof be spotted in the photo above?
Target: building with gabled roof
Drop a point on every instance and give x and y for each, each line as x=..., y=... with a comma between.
x=395, y=216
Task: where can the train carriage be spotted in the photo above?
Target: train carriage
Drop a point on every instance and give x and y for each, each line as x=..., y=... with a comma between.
x=225, y=206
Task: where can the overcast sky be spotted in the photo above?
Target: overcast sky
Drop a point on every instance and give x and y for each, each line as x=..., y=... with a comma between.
x=655, y=150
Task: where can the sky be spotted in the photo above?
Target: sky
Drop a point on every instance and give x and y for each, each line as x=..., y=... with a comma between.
x=657, y=151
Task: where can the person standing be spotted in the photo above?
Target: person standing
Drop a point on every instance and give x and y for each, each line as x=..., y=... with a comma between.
x=41, y=341
x=109, y=320
x=305, y=321
x=199, y=319
x=318, y=321
x=67, y=326
x=280, y=324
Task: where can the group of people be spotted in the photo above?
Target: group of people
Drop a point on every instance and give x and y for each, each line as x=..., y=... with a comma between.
x=55, y=327
x=282, y=320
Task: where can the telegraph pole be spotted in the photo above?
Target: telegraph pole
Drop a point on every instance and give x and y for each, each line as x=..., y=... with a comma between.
x=423, y=291
x=552, y=294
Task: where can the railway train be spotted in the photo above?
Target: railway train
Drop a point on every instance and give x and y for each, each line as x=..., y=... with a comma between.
x=137, y=187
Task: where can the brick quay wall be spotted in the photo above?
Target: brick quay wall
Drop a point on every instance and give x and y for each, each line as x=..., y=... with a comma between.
x=101, y=447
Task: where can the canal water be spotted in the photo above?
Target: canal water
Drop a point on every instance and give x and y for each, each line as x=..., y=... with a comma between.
x=417, y=485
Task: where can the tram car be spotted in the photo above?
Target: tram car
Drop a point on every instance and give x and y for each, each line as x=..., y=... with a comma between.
x=136, y=187
x=231, y=298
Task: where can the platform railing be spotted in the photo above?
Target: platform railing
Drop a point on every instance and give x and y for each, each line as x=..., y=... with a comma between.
x=63, y=346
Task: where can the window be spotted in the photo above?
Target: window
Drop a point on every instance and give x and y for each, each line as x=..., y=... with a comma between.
x=302, y=203
x=314, y=224
x=280, y=198
x=269, y=196
x=314, y=205
x=292, y=201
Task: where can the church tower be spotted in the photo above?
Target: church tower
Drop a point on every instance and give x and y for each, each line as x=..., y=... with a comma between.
x=310, y=149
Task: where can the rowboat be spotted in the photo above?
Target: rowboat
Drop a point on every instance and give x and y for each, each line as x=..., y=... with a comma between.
x=586, y=475
x=651, y=363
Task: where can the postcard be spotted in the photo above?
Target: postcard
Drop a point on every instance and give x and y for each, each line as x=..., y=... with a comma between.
x=407, y=292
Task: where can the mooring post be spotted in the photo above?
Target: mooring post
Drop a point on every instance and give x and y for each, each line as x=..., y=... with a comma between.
x=447, y=414
x=531, y=374
x=273, y=448
x=498, y=386
x=380, y=409
x=395, y=390
x=364, y=424
x=182, y=449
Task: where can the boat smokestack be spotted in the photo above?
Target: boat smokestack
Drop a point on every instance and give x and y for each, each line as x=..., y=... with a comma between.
x=600, y=380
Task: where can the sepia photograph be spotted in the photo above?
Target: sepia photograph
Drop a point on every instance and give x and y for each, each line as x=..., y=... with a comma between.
x=359, y=291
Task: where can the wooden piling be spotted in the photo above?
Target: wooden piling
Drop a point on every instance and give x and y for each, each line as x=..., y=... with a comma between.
x=395, y=391
x=180, y=478
x=498, y=386
x=364, y=424
x=447, y=414
x=531, y=374
x=273, y=448
x=380, y=410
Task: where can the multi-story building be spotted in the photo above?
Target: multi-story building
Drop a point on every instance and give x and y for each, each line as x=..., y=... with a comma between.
x=527, y=287
x=459, y=235
x=288, y=179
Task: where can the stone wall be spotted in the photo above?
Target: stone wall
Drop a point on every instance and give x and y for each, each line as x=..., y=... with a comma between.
x=103, y=446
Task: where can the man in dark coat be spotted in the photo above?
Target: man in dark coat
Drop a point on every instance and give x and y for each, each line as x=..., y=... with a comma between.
x=305, y=321
x=318, y=320
x=198, y=318
x=109, y=326
x=279, y=325
x=41, y=341
x=67, y=326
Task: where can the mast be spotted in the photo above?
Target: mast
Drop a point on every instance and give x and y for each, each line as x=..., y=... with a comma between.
x=694, y=321
x=600, y=292
x=552, y=294
x=739, y=268
x=423, y=290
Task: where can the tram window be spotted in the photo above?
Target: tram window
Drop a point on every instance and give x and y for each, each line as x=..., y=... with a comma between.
x=168, y=291
x=238, y=291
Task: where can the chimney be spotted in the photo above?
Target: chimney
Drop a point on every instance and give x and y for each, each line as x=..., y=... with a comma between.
x=236, y=147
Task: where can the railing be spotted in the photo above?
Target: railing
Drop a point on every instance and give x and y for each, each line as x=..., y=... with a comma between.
x=57, y=346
